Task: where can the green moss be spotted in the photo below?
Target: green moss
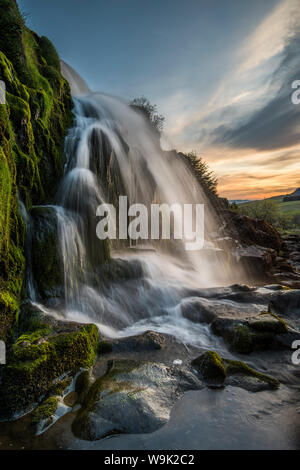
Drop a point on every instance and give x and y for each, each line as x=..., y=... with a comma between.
x=211, y=367
x=83, y=383
x=9, y=309
x=45, y=411
x=265, y=323
x=33, y=368
x=215, y=369
x=49, y=53
x=33, y=124
x=255, y=333
x=60, y=386
x=110, y=384
x=239, y=367
x=242, y=340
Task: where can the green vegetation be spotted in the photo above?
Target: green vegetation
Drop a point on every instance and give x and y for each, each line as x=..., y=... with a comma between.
x=196, y=164
x=37, y=359
x=215, y=369
x=33, y=123
x=110, y=383
x=45, y=410
x=149, y=110
x=206, y=178
x=285, y=216
x=239, y=367
x=254, y=333
x=211, y=366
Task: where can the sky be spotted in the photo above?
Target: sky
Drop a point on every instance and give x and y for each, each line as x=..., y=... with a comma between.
x=220, y=71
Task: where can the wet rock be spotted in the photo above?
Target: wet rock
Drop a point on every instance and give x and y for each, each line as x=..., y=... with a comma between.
x=45, y=252
x=55, y=348
x=118, y=270
x=255, y=260
x=132, y=397
x=252, y=231
x=241, y=288
x=211, y=367
x=83, y=383
x=226, y=243
x=198, y=310
x=216, y=371
x=253, y=333
x=148, y=341
x=71, y=399
x=45, y=411
x=286, y=304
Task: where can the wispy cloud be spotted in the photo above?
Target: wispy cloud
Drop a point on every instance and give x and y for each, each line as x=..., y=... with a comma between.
x=249, y=121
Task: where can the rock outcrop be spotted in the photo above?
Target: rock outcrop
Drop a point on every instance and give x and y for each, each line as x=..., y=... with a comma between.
x=33, y=124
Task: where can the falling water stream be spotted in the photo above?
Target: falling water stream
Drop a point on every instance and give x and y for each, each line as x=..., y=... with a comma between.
x=112, y=150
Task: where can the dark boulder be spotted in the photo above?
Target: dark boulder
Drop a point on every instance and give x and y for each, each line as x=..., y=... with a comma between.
x=260, y=332
x=217, y=371
x=252, y=231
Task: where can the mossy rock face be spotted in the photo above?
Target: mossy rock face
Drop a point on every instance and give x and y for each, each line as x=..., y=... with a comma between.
x=216, y=370
x=82, y=385
x=33, y=124
x=45, y=253
x=242, y=375
x=211, y=367
x=40, y=356
x=254, y=333
x=45, y=410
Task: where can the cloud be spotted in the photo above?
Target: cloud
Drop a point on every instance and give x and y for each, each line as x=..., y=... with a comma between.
x=251, y=107
x=277, y=123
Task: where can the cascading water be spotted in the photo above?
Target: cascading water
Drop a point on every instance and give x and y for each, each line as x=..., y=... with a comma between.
x=112, y=150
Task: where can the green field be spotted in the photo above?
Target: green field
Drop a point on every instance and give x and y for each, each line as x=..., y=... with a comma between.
x=288, y=211
x=291, y=208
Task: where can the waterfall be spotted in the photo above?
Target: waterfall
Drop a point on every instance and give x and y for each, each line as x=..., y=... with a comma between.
x=112, y=150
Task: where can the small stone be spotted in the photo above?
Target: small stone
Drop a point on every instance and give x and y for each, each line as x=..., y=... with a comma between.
x=177, y=362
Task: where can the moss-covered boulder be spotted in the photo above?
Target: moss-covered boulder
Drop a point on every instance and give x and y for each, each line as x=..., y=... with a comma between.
x=260, y=332
x=211, y=366
x=40, y=356
x=132, y=397
x=45, y=410
x=33, y=124
x=216, y=370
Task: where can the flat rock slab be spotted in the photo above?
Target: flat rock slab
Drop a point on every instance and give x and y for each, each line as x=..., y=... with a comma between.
x=132, y=398
x=229, y=419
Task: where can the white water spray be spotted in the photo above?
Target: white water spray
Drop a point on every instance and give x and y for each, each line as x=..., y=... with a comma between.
x=112, y=150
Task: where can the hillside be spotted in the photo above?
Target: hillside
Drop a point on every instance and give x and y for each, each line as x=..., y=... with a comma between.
x=289, y=210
